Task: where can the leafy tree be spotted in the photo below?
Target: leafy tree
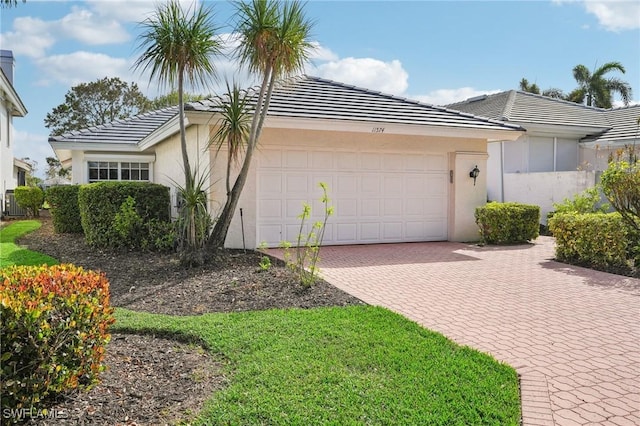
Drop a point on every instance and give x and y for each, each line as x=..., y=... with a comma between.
x=621, y=185
x=54, y=168
x=171, y=99
x=177, y=47
x=525, y=86
x=273, y=44
x=595, y=89
x=554, y=93
x=95, y=103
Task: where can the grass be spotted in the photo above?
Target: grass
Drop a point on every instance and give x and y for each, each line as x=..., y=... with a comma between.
x=12, y=254
x=355, y=365
x=347, y=366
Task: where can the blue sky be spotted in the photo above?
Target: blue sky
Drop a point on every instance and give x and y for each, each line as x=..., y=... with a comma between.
x=434, y=51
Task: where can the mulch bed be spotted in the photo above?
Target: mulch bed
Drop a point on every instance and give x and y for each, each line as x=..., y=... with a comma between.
x=153, y=380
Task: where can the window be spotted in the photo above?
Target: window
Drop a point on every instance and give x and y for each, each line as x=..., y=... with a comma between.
x=112, y=170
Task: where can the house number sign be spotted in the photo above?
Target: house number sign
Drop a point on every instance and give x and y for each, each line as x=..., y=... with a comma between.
x=377, y=130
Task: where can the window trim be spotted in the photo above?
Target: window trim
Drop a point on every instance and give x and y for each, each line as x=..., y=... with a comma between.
x=119, y=159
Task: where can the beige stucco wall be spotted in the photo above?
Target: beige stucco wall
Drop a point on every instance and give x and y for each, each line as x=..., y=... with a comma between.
x=463, y=195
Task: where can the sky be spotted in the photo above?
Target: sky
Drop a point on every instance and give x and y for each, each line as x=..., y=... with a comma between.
x=437, y=52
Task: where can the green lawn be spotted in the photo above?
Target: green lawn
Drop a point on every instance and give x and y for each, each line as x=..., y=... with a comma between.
x=339, y=366
x=12, y=254
x=355, y=365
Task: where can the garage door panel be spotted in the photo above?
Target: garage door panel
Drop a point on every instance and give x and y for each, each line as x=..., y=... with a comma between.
x=377, y=197
x=271, y=159
x=370, y=207
x=370, y=231
x=270, y=234
x=392, y=231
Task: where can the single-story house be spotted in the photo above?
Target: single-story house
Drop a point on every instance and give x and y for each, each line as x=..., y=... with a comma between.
x=13, y=171
x=563, y=152
x=397, y=170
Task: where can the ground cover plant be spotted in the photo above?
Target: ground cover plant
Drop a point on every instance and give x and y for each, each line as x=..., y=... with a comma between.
x=233, y=343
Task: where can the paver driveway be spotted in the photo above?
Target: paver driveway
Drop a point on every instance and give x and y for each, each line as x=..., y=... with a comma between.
x=573, y=334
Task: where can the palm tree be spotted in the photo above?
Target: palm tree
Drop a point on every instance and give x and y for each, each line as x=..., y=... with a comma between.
x=233, y=127
x=525, y=86
x=178, y=45
x=10, y=3
x=274, y=45
x=596, y=90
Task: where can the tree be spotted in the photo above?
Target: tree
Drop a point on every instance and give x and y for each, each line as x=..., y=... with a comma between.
x=621, y=185
x=54, y=168
x=595, y=89
x=171, y=99
x=525, y=86
x=95, y=103
x=178, y=45
x=10, y=3
x=273, y=44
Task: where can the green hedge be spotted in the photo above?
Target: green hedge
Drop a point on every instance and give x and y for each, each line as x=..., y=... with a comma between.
x=30, y=198
x=593, y=239
x=54, y=330
x=64, y=208
x=100, y=203
x=508, y=223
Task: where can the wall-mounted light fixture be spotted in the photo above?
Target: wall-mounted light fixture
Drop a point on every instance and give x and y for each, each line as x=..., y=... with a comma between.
x=474, y=174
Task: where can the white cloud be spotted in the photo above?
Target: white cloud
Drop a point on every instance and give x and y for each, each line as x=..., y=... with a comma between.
x=30, y=37
x=90, y=28
x=132, y=10
x=321, y=53
x=386, y=77
x=79, y=67
x=449, y=96
x=615, y=15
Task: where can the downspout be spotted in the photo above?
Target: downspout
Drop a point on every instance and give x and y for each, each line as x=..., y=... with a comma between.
x=502, y=171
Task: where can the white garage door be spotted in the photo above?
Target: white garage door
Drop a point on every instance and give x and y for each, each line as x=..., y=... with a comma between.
x=378, y=197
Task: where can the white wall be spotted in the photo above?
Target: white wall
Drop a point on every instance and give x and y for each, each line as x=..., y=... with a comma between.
x=7, y=181
x=467, y=195
x=544, y=189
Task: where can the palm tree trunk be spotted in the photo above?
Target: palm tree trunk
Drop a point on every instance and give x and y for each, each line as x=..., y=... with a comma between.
x=219, y=234
x=183, y=132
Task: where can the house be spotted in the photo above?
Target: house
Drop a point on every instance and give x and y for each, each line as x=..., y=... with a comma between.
x=563, y=152
x=13, y=171
x=397, y=170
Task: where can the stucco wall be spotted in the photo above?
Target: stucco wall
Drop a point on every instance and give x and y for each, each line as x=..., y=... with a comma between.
x=6, y=153
x=467, y=197
x=544, y=189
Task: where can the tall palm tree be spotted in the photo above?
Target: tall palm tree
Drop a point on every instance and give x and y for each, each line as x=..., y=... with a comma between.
x=274, y=45
x=178, y=46
x=595, y=89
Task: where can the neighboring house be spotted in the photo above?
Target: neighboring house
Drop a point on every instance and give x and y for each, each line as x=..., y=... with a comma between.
x=13, y=172
x=563, y=152
x=397, y=170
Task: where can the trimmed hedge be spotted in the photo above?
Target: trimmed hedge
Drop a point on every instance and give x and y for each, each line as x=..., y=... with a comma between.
x=508, y=223
x=30, y=198
x=593, y=239
x=101, y=202
x=54, y=331
x=64, y=208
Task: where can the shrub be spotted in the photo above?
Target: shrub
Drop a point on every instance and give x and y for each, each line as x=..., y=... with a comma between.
x=54, y=331
x=588, y=201
x=63, y=202
x=621, y=185
x=99, y=203
x=508, y=223
x=30, y=198
x=593, y=239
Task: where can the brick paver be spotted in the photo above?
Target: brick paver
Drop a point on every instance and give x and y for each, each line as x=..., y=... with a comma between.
x=572, y=334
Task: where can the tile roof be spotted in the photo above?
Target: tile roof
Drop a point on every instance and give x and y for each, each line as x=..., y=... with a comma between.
x=317, y=98
x=128, y=131
x=522, y=107
x=624, y=126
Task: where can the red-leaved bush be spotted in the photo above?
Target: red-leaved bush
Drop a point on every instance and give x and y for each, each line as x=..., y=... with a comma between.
x=54, y=324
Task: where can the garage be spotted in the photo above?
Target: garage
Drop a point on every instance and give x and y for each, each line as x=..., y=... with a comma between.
x=378, y=196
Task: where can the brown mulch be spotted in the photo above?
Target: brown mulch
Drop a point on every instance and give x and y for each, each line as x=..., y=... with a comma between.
x=154, y=380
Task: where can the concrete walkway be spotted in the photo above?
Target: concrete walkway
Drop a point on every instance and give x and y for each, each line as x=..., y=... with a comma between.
x=572, y=334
